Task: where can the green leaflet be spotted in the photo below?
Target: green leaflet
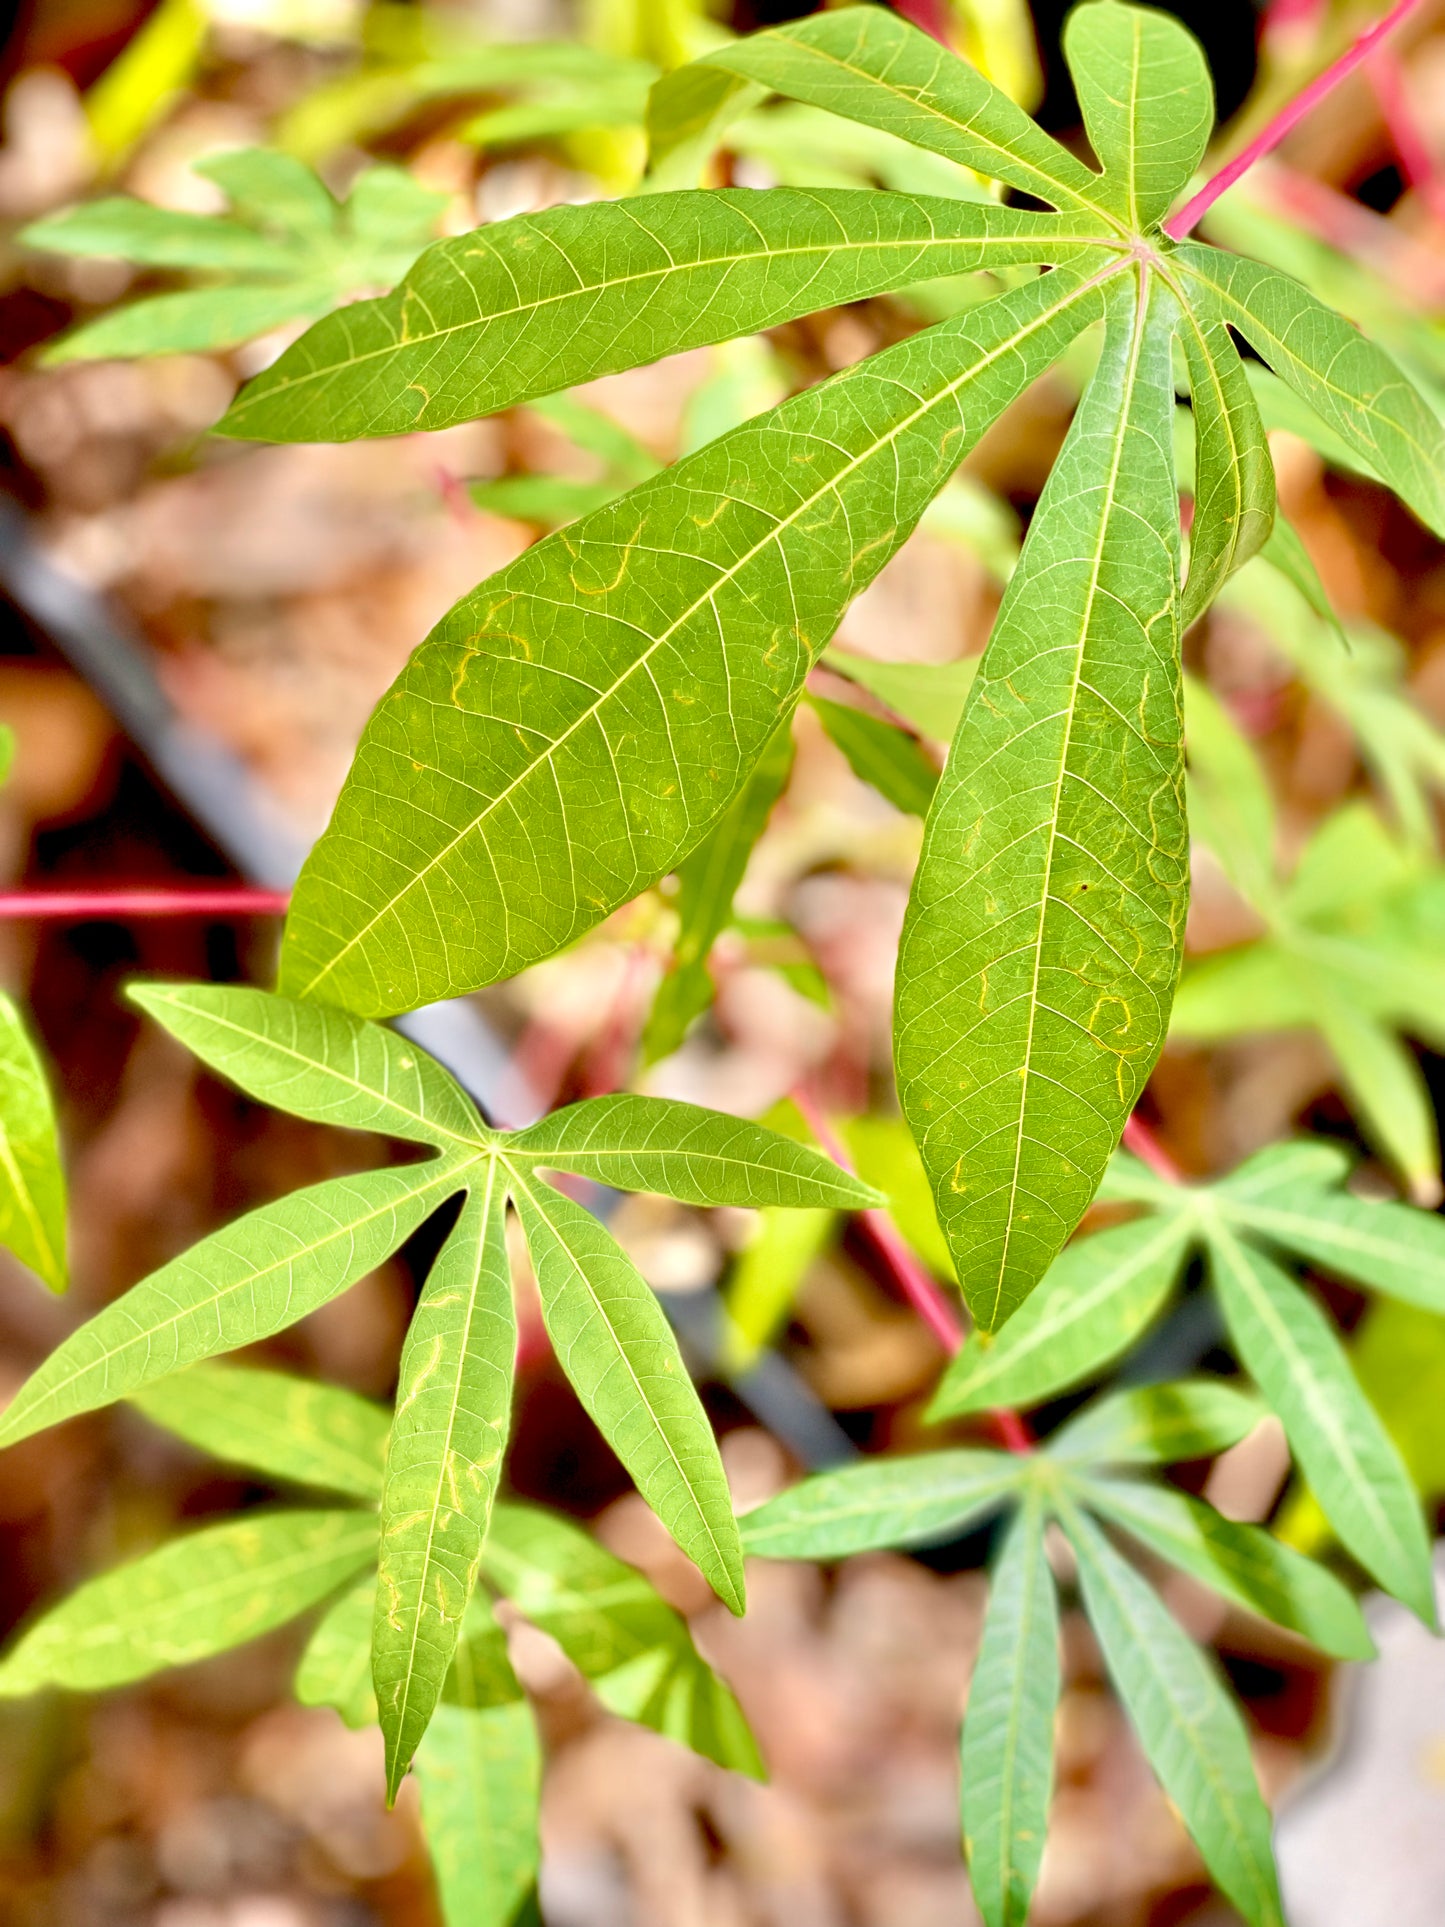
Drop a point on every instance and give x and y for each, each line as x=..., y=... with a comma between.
x=1234, y=495
x=685, y=1152
x=1353, y=386
x=481, y=1775
x=1159, y=1424
x=870, y=66
x=295, y=1429
x=1281, y=1169
x=1239, y=1562
x=1192, y=1733
x=286, y=252
x=447, y=1439
x=884, y=1154
x=573, y=727
x=241, y=1284
x=616, y=1347
x=199, y=1595
x=707, y=881
x=1353, y=1468
x=525, y=307
x=1041, y=946
x=1094, y=1300
x=894, y=1502
x=32, y=1181
x=317, y=1062
x=1382, y=1081
x=880, y=754
x=636, y=1651
x=1230, y=806
x=1147, y=102
x=1389, y=1247
x=1008, y=1727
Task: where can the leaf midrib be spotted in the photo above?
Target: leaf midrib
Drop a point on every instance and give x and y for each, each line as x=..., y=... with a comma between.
x=774, y=534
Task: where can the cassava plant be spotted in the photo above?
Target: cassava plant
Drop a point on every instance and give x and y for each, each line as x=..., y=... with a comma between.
x=613, y=708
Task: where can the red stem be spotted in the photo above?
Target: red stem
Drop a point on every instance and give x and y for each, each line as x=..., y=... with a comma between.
x=1179, y=225
x=222, y=900
x=1139, y=1139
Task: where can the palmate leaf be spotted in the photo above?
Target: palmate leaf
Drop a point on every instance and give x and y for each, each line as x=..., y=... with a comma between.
x=1042, y=940
x=1352, y=1465
x=1008, y=1726
x=195, y=1597
x=448, y=1436
x=526, y=307
x=1239, y=1562
x=293, y=1429
x=32, y=1182
x=572, y=728
x=1190, y=1729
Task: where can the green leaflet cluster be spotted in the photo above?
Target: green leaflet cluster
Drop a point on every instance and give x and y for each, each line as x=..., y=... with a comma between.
x=1085, y=1477
x=1106, y=1289
x=286, y=252
x=479, y=1761
x=576, y=727
x=443, y=1460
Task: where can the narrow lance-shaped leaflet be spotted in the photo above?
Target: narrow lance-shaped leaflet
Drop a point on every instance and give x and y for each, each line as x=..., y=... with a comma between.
x=1043, y=937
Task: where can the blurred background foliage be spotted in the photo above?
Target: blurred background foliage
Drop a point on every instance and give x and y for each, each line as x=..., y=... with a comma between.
x=187, y=183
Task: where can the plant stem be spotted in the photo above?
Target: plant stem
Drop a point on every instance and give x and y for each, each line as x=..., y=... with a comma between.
x=1179, y=225
x=223, y=900
x=1139, y=1139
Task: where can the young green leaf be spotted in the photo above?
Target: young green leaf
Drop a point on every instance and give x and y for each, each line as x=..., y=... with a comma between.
x=1353, y=386
x=287, y=252
x=707, y=881
x=481, y=1775
x=1095, y=1299
x=1191, y=1731
x=880, y=754
x=447, y=1440
x=1041, y=946
x=1393, y=1248
x=871, y=66
x=199, y=1595
x=295, y=1429
x=1240, y=1562
x=615, y=1345
x=32, y=1181
x=1008, y=1726
x=240, y=1285
x=526, y=307
x=1234, y=495
x=1158, y=1424
x=893, y=1502
x=685, y=1152
x=573, y=727
x=673, y=1691
x=768, y=1276
x=1355, y=1471
x=1147, y=102
x=316, y=1062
